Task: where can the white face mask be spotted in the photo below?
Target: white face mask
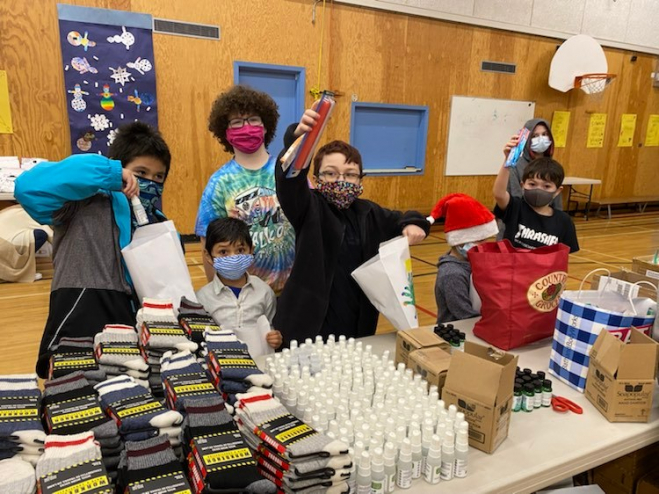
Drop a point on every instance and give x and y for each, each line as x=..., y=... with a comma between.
x=540, y=144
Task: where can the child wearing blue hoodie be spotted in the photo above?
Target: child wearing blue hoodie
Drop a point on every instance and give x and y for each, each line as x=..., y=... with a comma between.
x=86, y=198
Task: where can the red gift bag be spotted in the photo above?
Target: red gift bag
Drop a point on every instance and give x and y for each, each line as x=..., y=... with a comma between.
x=520, y=290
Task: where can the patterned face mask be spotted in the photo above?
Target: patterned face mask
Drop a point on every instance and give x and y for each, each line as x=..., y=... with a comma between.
x=150, y=196
x=341, y=194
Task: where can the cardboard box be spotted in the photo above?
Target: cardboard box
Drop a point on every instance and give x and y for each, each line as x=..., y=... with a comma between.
x=645, y=266
x=432, y=363
x=621, y=376
x=627, y=277
x=624, y=472
x=415, y=339
x=611, y=487
x=480, y=383
x=649, y=484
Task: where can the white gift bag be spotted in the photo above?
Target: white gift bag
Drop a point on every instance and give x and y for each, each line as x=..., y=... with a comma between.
x=156, y=264
x=254, y=337
x=387, y=282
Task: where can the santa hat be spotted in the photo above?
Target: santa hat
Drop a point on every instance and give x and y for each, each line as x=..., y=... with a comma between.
x=466, y=219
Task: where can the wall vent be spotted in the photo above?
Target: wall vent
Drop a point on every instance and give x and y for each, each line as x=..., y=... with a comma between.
x=501, y=67
x=178, y=28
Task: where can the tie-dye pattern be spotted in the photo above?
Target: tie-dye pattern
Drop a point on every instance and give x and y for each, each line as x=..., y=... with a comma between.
x=251, y=195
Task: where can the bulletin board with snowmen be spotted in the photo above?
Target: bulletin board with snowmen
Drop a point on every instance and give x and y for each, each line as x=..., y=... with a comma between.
x=109, y=73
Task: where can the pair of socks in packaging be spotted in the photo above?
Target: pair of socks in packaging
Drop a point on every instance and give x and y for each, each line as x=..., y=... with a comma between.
x=218, y=458
x=75, y=354
x=72, y=406
x=293, y=455
x=138, y=413
x=184, y=379
x=118, y=353
x=195, y=320
x=231, y=365
x=69, y=457
x=21, y=431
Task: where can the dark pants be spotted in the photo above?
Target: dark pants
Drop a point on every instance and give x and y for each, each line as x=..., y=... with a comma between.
x=79, y=313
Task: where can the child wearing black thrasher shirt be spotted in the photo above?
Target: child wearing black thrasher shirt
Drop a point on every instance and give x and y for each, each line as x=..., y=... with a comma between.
x=530, y=221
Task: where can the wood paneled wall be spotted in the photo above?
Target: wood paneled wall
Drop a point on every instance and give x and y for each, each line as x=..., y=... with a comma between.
x=378, y=56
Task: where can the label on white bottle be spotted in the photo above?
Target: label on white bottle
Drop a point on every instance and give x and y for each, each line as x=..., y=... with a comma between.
x=391, y=482
x=537, y=400
x=432, y=473
x=460, y=468
x=363, y=489
x=546, y=398
x=377, y=486
x=404, y=478
x=447, y=470
x=416, y=469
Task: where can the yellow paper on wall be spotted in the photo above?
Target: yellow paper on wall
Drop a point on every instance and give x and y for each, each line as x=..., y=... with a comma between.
x=596, y=129
x=5, y=112
x=627, y=128
x=652, y=135
x=559, y=125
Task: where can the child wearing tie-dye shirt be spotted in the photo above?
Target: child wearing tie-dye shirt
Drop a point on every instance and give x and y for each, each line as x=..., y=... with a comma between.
x=245, y=121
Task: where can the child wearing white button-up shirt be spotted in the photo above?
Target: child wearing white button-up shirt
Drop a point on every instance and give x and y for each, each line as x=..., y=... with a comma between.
x=234, y=298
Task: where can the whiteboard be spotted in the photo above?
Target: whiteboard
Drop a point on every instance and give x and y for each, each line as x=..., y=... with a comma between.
x=478, y=130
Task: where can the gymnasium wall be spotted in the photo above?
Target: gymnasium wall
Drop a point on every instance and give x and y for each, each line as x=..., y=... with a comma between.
x=377, y=56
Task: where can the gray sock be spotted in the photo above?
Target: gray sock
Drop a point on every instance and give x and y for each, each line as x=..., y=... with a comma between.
x=148, y=454
x=65, y=451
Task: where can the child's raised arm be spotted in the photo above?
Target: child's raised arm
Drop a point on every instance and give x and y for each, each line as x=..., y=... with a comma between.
x=500, y=189
x=44, y=189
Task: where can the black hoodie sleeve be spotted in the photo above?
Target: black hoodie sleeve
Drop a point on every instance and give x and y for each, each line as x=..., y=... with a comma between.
x=293, y=193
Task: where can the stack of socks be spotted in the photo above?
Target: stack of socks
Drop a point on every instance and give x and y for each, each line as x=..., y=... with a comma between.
x=232, y=367
x=75, y=354
x=118, y=353
x=71, y=406
x=21, y=432
x=137, y=412
x=217, y=455
x=67, y=455
x=293, y=455
x=17, y=477
x=195, y=320
x=160, y=333
x=184, y=379
x=152, y=464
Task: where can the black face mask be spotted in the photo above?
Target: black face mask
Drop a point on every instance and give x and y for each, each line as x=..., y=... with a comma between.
x=538, y=198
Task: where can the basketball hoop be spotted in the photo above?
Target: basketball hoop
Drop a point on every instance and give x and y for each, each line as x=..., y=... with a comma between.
x=593, y=83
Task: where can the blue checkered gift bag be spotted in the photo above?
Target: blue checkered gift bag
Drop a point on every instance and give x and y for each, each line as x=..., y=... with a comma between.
x=578, y=324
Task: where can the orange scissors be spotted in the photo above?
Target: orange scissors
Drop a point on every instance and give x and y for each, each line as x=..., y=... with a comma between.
x=563, y=405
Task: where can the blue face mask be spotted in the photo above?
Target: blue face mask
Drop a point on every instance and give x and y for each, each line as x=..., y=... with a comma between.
x=463, y=249
x=233, y=267
x=150, y=196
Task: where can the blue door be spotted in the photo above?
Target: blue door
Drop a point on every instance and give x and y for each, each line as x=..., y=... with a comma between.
x=284, y=84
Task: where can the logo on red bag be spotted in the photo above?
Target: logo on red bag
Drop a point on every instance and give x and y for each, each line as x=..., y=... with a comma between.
x=545, y=293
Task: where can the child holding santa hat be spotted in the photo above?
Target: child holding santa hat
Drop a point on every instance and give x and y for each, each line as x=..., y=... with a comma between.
x=467, y=224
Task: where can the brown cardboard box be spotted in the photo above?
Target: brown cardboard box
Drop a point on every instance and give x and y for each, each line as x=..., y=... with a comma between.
x=625, y=471
x=611, y=487
x=432, y=363
x=645, y=266
x=414, y=339
x=649, y=484
x=480, y=383
x=629, y=277
x=621, y=376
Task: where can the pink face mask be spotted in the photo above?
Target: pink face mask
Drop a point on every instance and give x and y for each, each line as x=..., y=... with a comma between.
x=247, y=139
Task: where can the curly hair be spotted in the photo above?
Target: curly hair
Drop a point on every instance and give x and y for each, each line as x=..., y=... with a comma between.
x=242, y=100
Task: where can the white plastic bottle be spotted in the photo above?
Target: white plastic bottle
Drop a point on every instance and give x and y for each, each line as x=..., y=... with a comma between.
x=448, y=456
x=378, y=480
x=461, y=454
x=404, y=467
x=364, y=474
x=390, y=466
x=432, y=473
x=138, y=210
x=417, y=454
x=426, y=438
x=352, y=480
